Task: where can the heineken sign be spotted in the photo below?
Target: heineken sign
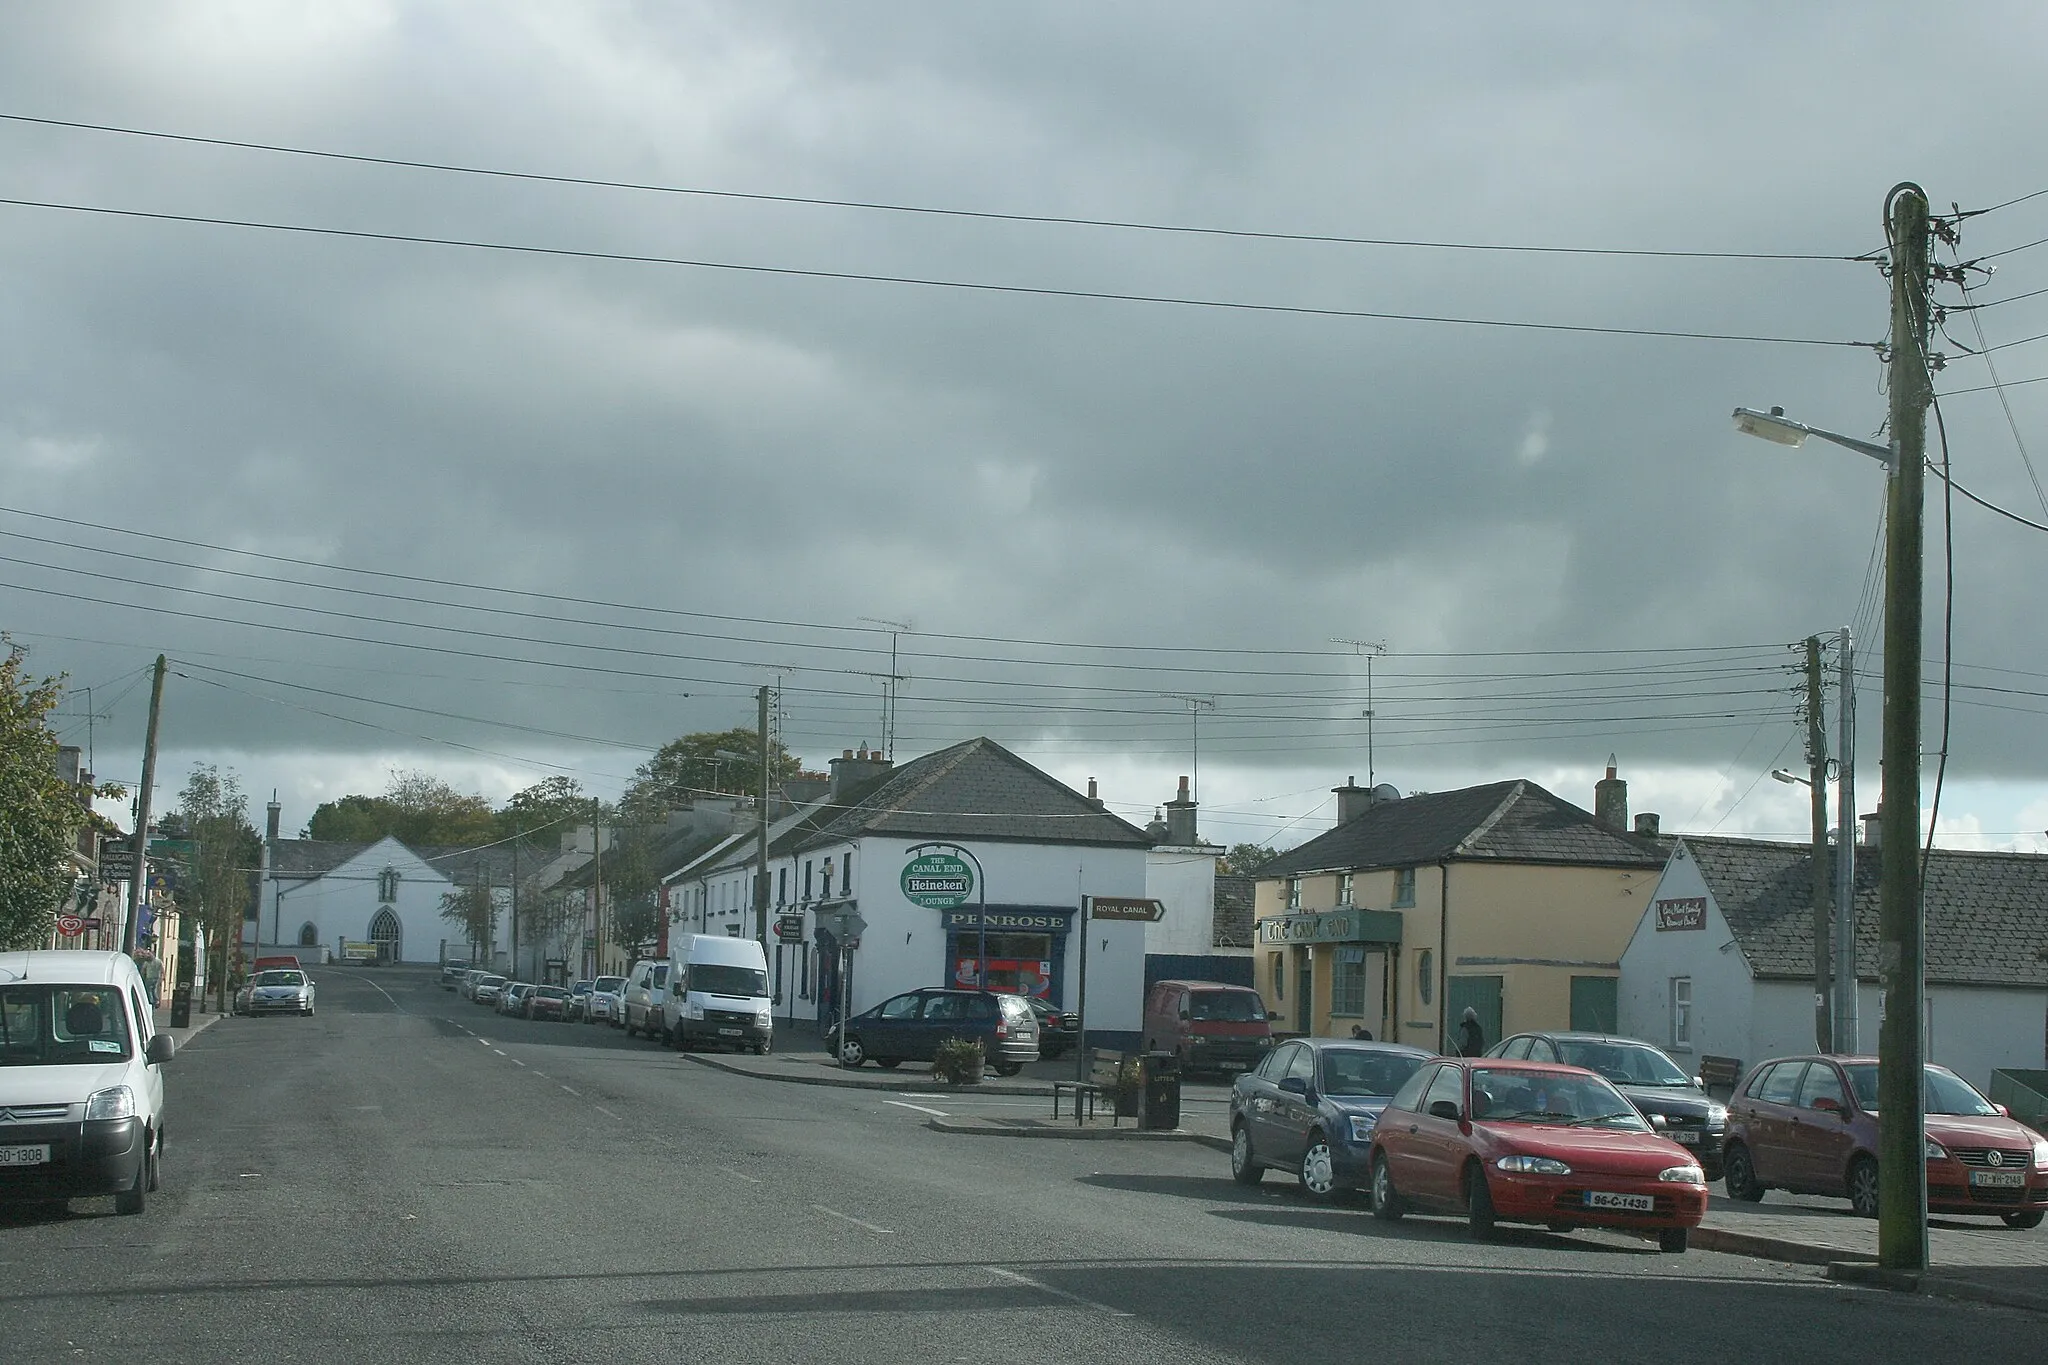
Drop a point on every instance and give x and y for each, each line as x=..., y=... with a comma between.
x=937, y=881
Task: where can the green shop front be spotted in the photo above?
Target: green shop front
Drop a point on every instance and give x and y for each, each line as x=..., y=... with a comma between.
x=1329, y=972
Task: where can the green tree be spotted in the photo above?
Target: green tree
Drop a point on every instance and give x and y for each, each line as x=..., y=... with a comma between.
x=416, y=808
x=690, y=766
x=546, y=808
x=475, y=912
x=40, y=813
x=214, y=814
x=1246, y=859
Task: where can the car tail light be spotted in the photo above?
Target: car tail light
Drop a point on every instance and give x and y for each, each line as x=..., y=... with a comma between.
x=1002, y=1027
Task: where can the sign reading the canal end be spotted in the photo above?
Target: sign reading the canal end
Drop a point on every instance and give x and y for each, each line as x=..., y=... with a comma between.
x=937, y=881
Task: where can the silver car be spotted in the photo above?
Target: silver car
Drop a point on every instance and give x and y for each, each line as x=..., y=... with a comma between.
x=281, y=992
x=607, y=1000
x=485, y=991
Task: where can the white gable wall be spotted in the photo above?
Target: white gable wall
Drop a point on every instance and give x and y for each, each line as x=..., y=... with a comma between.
x=1184, y=880
x=1723, y=992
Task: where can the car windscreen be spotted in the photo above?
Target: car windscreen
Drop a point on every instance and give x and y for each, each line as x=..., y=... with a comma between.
x=52, y=1025
x=719, y=978
x=1364, y=1071
x=1563, y=1098
x=1623, y=1063
x=611, y=985
x=280, y=979
x=1228, y=1007
x=1947, y=1093
x=551, y=992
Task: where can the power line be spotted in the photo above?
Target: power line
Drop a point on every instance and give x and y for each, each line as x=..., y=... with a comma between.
x=879, y=206
x=932, y=282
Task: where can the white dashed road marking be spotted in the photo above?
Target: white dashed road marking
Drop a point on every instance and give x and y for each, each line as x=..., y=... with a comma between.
x=1044, y=1288
x=857, y=1222
x=571, y=1089
x=740, y=1175
x=606, y=1112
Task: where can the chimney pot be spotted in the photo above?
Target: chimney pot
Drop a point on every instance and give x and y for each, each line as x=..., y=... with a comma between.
x=1646, y=824
x=1610, y=801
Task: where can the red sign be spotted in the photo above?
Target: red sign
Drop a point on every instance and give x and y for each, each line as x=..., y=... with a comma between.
x=71, y=926
x=1688, y=912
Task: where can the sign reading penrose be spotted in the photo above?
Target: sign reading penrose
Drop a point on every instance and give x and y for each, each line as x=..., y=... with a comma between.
x=937, y=881
x=1688, y=912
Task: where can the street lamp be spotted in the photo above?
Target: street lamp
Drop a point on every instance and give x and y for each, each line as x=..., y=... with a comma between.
x=1776, y=427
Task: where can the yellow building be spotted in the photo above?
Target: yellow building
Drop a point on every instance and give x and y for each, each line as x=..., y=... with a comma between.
x=1504, y=898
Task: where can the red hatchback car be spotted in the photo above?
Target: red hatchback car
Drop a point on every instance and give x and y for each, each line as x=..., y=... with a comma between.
x=1525, y=1142
x=1809, y=1124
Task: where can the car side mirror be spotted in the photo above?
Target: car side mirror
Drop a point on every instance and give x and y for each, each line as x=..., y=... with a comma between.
x=1272, y=1016
x=1698, y=1084
x=1828, y=1106
x=2003, y=1112
x=1445, y=1109
x=1294, y=1085
x=160, y=1050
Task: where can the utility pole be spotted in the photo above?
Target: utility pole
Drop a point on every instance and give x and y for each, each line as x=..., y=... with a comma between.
x=515, y=904
x=1848, y=1025
x=1901, y=1099
x=761, y=834
x=1817, y=790
x=596, y=951
x=139, y=877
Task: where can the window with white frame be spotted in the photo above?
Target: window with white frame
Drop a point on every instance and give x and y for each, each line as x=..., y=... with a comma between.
x=1347, y=987
x=1294, y=893
x=1681, y=1012
x=1404, y=886
x=1344, y=888
x=1276, y=968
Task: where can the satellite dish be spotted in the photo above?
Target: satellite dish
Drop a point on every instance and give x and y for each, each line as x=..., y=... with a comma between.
x=1385, y=792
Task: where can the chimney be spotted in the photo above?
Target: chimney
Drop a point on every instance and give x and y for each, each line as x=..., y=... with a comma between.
x=1094, y=799
x=1646, y=824
x=70, y=759
x=1610, y=801
x=1180, y=819
x=1352, y=801
x=272, y=812
x=1873, y=827
x=851, y=769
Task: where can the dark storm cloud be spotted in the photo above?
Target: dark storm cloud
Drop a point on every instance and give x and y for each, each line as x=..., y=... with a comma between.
x=1051, y=468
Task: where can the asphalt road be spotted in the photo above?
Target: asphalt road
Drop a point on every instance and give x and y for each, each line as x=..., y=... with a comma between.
x=408, y=1177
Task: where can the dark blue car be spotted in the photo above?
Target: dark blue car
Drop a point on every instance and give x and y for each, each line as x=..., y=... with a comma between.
x=1310, y=1108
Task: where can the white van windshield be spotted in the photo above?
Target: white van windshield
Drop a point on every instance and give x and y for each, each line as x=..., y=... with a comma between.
x=717, y=978
x=46, y=1025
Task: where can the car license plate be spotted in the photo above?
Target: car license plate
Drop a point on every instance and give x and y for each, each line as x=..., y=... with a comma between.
x=1688, y=1136
x=1604, y=1199
x=24, y=1156
x=1230, y=1066
x=728, y=1033
x=2002, y=1179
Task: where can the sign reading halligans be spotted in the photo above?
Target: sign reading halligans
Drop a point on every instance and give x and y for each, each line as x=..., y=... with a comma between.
x=1688, y=912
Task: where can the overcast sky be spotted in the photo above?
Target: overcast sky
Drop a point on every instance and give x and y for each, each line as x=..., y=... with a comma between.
x=500, y=514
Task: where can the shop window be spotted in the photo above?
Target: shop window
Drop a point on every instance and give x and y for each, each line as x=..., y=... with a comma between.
x=1347, y=987
x=1681, y=1013
x=1404, y=886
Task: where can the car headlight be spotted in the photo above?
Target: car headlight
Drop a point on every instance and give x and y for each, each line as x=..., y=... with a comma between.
x=2041, y=1152
x=1683, y=1175
x=1935, y=1151
x=1533, y=1165
x=1362, y=1126
x=1717, y=1116
x=764, y=1020
x=115, y=1102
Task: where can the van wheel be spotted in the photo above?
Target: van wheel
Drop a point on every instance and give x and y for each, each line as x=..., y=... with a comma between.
x=761, y=1048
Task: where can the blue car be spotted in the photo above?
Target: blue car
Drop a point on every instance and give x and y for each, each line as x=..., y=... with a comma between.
x=1310, y=1108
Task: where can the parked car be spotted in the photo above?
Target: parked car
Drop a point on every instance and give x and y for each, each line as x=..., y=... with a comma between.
x=577, y=1006
x=466, y=988
x=1311, y=1108
x=452, y=972
x=607, y=1000
x=240, y=1000
x=910, y=1027
x=276, y=962
x=1209, y=1025
x=1809, y=1125
x=1505, y=1141
x=1057, y=1029
x=1676, y=1104
x=512, y=999
x=281, y=992
x=646, y=995
x=546, y=1002
x=487, y=988
x=81, y=1079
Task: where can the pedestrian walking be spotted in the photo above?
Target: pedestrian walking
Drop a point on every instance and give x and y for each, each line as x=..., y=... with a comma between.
x=1471, y=1037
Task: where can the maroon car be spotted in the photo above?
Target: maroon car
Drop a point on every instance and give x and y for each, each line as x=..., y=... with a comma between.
x=1809, y=1125
x=547, y=1002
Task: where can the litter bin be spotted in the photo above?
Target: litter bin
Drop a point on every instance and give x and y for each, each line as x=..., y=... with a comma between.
x=181, y=1007
x=1162, y=1091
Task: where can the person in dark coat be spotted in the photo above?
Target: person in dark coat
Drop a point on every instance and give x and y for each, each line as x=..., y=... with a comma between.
x=1471, y=1037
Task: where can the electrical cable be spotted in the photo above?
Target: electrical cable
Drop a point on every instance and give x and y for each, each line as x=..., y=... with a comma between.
x=933, y=282
x=1984, y=348
x=921, y=209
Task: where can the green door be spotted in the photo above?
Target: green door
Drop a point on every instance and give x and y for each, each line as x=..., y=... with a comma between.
x=1481, y=993
x=1595, y=1004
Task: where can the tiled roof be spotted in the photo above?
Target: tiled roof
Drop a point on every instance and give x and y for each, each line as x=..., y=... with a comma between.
x=975, y=790
x=310, y=857
x=1987, y=913
x=1233, y=927
x=305, y=858
x=1509, y=822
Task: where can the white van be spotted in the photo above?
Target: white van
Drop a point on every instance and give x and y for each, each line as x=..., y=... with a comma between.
x=81, y=1079
x=718, y=993
x=646, y=993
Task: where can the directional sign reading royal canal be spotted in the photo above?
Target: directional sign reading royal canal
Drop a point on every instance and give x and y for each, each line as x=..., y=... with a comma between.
x=937, y=881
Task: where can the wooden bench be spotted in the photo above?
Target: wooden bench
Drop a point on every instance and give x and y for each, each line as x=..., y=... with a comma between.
x=1104, y=1070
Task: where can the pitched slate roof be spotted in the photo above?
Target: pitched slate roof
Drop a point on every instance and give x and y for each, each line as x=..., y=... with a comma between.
x=1507, y=822
x=307, y=858
x=310, y=857
x=1233, y=927
x=974, y=790
x=1987, y=913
